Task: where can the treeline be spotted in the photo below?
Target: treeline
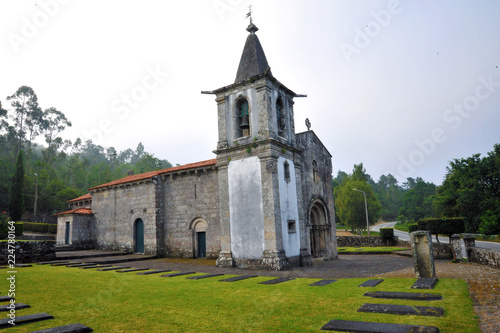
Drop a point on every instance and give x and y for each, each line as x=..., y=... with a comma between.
x=59, y=169
x=471, y=189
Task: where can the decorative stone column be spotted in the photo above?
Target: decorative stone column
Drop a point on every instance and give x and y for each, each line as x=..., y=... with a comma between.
x=423, y=257
x=456, y=245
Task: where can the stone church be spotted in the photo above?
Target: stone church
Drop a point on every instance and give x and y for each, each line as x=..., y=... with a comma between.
x=265, y=201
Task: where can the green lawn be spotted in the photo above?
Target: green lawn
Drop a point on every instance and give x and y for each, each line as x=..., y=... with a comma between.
x=366, y=249
x=114, y=302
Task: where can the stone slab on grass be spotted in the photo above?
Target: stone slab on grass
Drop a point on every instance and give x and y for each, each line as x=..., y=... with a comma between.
x=363, y=326
x=322, y=283
x=17, y=306
x=239, y=278
x=113, y=268
x=425, y=283
x=65, y=263
x=133, y=270
x=5, y=298
x=73, y=328
x=23, y=265
x=19, y=320
x=371, y=283
x=402, y=309
x=52, y=262
x=177, y=274
x=199, y=277
x=154, y=272
x=82, y=264
x=94, y=266
x=408, y=296
x=278, y=280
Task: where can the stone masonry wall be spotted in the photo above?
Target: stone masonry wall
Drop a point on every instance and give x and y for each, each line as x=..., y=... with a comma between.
x=317, y=184
x=190, y=198
x=81, y=230
x=29, y=252
x=115, y=211
x=484, y=256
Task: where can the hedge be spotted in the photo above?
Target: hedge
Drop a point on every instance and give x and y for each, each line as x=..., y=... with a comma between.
x=386, y=233
x=41, y=227
x=443, y=226
x=19, y=230
x=412, y=227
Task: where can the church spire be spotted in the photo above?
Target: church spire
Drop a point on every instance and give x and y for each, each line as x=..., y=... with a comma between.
x=253, y=60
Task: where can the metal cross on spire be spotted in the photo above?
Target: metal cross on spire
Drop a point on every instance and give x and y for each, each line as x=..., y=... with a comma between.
x=249, y=14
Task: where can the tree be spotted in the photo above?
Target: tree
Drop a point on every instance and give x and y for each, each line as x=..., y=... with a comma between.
x=54, y=123
x=418, y=201
x=390, y=195
x=25, y=103
x=351, y=205
x=471, y=189
x=17, y=186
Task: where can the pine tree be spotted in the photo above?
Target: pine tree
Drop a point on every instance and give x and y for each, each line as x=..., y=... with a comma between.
x=16, y=190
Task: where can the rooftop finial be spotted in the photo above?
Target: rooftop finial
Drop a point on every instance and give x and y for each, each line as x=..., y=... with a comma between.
x=251, y=27
x=249, y=14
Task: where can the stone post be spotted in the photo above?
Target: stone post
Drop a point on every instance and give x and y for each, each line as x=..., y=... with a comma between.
x=423, y=258
x=470, y=242
x=456, y=246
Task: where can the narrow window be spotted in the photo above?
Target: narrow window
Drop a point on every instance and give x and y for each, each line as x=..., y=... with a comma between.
x=291, y=227
x=287, y=171
x=315, y=171
x=280, y=117
x=195, y=196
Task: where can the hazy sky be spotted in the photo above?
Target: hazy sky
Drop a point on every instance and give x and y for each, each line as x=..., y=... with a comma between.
x=402, y=86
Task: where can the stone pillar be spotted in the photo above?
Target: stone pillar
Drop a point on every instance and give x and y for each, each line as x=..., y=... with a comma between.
x=456, y=245
x=423, y=258
x=225, y=256
x=470, y=242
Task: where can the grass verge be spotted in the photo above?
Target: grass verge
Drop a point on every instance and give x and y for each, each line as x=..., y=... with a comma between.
x=113, y=302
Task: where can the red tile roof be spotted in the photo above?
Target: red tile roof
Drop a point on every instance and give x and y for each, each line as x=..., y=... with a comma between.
x=151, y=174
x=82, y=211
x=83, y=197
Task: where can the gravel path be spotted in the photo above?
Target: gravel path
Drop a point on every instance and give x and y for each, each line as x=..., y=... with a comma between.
x=484, y=288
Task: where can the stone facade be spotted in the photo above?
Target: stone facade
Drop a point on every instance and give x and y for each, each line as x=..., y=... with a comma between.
x=265, y=202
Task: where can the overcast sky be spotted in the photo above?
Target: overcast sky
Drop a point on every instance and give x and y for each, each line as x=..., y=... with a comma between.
x=402, y=86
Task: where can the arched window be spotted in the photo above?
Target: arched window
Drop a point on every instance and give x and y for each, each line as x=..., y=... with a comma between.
x=243, y=118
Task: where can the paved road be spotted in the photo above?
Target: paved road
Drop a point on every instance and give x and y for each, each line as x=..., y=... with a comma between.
x=403, y=235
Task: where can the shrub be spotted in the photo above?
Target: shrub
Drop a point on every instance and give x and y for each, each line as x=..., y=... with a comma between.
x=41, y=227
x=386, y=233
x=443, y=226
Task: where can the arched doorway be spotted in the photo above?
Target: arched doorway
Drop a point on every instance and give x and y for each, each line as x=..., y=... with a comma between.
x=320, y=228
x=199, y=227
x=139, y=236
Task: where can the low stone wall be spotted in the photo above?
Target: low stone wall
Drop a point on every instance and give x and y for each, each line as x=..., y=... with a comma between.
x=484, y=256
x=28, y=252
x=441, y=250
x=39, y=237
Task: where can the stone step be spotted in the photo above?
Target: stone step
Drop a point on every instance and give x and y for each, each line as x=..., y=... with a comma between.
x=278, y=280
x=84, y=254
x=199, y=277
x=154, y=272
x=408, y=296
x=17, y=306
x=371, y=283
x=364, y=327
x=73, y=328
x=402, y=309
x=322, y=283
x=177, y=274
x=123, y=260
x=64, y=248
x=239, y=278
x=20, y=320
x=425, y=283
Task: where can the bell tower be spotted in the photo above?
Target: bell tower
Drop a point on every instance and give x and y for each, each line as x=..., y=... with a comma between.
x=259, y=168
